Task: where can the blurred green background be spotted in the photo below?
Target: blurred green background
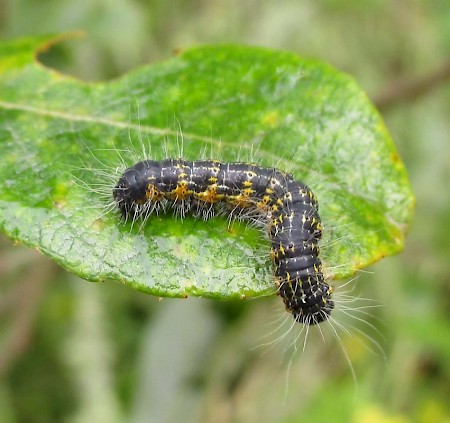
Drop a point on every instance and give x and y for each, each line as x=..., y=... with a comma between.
x=72, y=351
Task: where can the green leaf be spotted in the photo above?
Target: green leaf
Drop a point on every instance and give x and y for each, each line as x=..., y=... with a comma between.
x=239, y=103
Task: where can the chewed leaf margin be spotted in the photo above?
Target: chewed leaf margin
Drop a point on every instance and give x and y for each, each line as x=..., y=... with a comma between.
x=304, y=116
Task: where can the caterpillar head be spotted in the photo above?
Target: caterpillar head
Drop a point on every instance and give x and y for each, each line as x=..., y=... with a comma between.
x=130, y=191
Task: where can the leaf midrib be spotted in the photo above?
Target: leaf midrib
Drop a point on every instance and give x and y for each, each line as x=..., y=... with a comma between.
x=170, y=132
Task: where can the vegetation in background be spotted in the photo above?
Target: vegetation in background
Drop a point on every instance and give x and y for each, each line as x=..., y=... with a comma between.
x=72, y=351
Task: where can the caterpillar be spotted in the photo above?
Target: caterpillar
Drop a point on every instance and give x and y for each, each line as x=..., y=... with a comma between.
x=288, y=208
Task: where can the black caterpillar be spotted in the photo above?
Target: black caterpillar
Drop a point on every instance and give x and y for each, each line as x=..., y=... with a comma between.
x=289, y=208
